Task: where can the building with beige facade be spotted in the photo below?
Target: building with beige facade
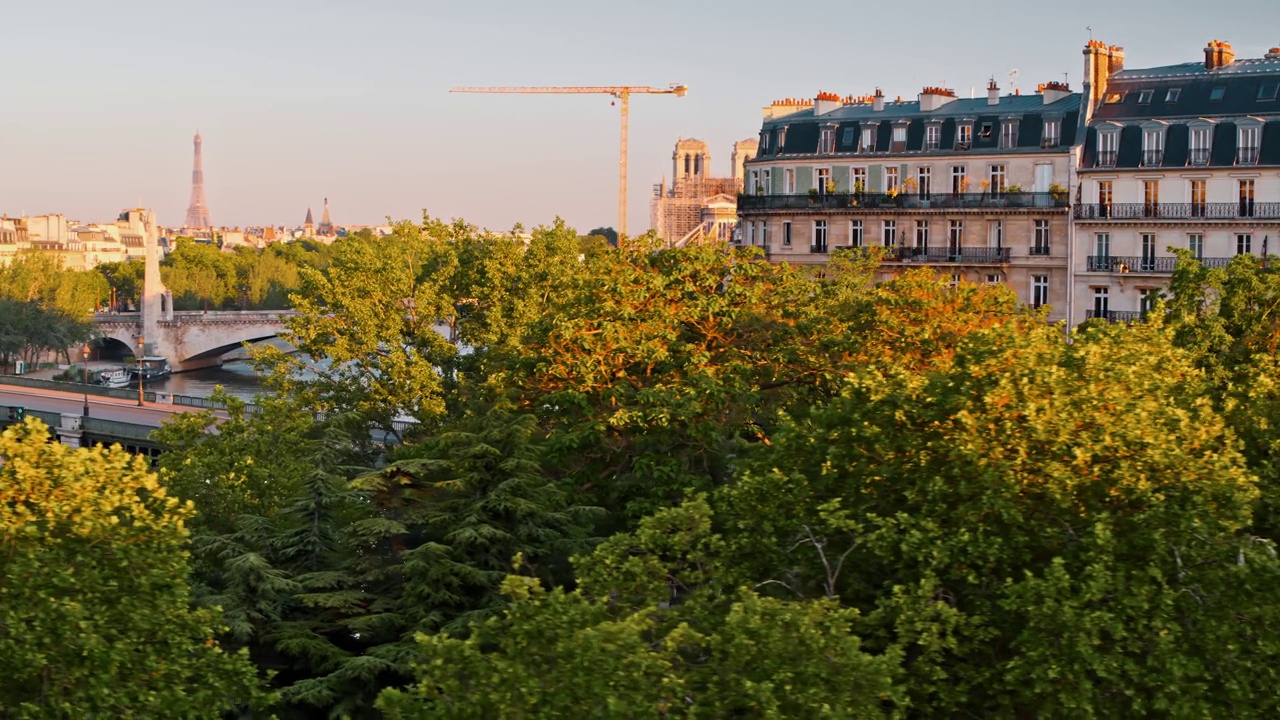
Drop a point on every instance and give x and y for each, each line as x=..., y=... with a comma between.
x=1181, y=156
x=79, y=246
x=976, y=189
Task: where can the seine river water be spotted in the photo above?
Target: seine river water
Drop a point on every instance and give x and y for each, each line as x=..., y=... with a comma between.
x=237, y=378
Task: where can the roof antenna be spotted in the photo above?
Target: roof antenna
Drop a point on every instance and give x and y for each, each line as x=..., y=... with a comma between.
x=1090, y=29
x=1013, y=79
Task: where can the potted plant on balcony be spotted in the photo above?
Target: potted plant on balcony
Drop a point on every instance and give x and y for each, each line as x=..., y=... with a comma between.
x=859, y=188
x=909, y=191
x=1058, y=193
x=831, y=187
x=759, y=188
x=813, y=196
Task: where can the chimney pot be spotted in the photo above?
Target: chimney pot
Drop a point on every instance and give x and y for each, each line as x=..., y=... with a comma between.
x=877, y=102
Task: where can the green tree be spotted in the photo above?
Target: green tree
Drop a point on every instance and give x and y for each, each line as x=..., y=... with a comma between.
x=95, y=615
x=1044, y=529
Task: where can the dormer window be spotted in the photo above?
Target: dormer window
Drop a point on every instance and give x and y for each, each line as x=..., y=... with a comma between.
x=964, y=136
x=827, y=140
x=1152, y=147
x=1268, y=91
x=1248, y=142
x=1217, y=93
x=1108, y=144
x=868, y=143
x=932, y=137
x=985, y=132
x=1201, y=137
x=1173, y=95
x=1144, y=97
x=764, y=141
x=1114, y=98
x=1052, y=133
x=899, y=138
x=1009, y=134
x=846, y=137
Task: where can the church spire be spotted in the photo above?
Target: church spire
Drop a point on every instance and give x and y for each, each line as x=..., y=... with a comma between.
x=326, y=225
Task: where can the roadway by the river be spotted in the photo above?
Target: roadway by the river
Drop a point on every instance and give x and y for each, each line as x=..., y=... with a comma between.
x=104, y=408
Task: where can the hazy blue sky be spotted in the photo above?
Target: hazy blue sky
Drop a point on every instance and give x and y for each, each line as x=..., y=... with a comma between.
x=302, y=100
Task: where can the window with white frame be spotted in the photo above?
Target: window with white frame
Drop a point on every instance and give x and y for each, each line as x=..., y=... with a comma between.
x=1246, y=187
x=1039, y=290
x=1009, y=134
x=868, y=143
x=827, y=140
x=1195, y=243
x=1248, y=144
x=766, y=177
x=1244, y=244
x=1147, y=263
x=789, y=181
x=822, y=180
x=751, y=233
x=855, y=233
x=1199, y=145
x=858, y=180
x=997, y=178
x=1108, y=145
x=1152, y=147
x=889, y=236
x=1198, y=196
x=964, y=136
x=1102, y=245
x=1052, y=133
x=846, y=137
x=1151, y=198
x=890, y=179
x=922, y=234
x=764, y=235
x=819, y=237
x=899, y=138
x=753, y=181
x=1146, y=299
x=924, y=181
x=1040, y=241
x=932, y=137
x=1101, y=303
x=764, y=140
x=959, y=179
x=1173, y=95
x=995, y=234
x=955, y=237
x=786, y=233
x=956, y=278
x=994, y=279
x=782, y=138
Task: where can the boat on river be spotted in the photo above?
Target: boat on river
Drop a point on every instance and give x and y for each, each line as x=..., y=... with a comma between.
x=150, y=369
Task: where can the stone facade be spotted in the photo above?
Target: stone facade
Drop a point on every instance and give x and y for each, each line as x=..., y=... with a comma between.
x=976, y=189
x=678, y=209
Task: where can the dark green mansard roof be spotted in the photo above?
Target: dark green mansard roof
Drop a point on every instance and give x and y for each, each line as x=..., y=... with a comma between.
x=1245, y=91
x=803, y=128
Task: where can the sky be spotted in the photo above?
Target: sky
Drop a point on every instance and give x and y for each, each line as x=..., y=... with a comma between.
x=299, y=101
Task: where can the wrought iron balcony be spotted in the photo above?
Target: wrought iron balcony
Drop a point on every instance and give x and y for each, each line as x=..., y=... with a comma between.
x=1116, y=316
x=1247, y=156
x=818, y=247
x=1152, y=158
x=962, y=256
x=1139, y=264
x=1199, y=156
x=904, y=200
x=1106, y=158
x=1177, y=211
x=1039, y=250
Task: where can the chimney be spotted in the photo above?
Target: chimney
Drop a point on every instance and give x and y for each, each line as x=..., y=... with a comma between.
x=993, y=93
x=877, y=102
x=1273, y=53
x=1218, y=54
x=1054, y=91
x=932, y=98
x=825, y=102
x=1101, y=61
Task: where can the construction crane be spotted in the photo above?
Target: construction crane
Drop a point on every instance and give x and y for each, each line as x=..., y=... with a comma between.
x=622, y=93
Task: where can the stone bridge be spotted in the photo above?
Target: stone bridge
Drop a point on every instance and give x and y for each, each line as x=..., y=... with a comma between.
x=192, y=340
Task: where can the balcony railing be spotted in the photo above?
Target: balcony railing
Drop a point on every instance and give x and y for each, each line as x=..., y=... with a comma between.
x=1151, y=158
x=1116, y=316
x=1177, y=211
x=933, y=256
x=1199, y=156
x=913, y=201
x=1106, y=158
x=817, y=247
x=1039, y=250
x=1139, y=264
x=1247, y=156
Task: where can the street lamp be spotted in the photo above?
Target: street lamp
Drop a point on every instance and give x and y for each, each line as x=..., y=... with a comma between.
x=141, y=347
x=86, y=380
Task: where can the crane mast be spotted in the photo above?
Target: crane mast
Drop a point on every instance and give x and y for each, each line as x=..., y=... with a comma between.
x=622, y=93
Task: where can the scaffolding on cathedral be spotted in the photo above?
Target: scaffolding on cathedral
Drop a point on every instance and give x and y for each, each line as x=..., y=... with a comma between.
x=694, y=197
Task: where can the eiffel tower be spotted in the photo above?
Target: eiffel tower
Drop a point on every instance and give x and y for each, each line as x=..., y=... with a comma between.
x=198, y=210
